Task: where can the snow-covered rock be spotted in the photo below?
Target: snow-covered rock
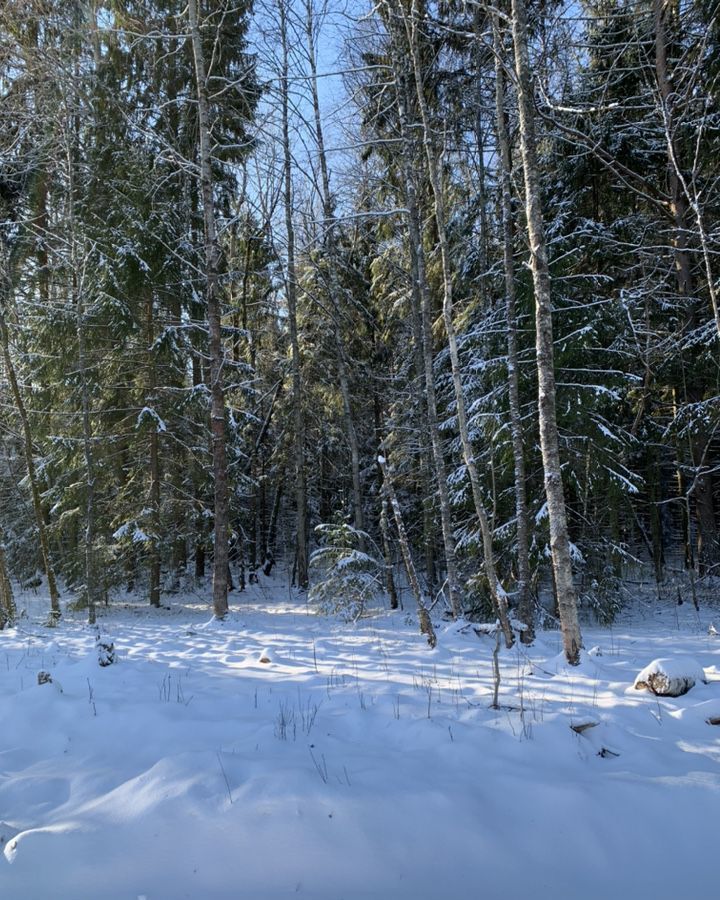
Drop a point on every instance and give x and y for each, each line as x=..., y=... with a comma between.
x=670, y=677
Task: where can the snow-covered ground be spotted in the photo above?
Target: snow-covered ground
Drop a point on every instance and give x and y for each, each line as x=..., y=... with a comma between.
x=357, y=763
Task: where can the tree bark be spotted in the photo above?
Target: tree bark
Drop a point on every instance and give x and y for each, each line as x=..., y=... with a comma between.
x=525, y=609
x=549, y=441
x=214, y=319
x=32, y=473
x=497, y=593
x=422, y=301
x=154, y=492
x=91, y=569
x=8, y=611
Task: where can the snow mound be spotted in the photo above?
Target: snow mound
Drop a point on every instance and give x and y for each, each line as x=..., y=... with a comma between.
x=670, y=677
x=558, y=665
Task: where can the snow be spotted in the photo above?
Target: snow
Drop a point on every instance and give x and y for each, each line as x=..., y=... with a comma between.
x=148, y=413
x=675, y=675
x=357, y=764
x=138, y=536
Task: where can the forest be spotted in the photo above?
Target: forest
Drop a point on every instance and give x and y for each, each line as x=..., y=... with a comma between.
x=359, y=449
x=445, y=321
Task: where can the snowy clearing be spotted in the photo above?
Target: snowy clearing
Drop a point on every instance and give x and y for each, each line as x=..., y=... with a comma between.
x=355, y=763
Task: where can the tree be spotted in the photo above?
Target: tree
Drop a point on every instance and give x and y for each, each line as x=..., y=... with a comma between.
x=559, y=541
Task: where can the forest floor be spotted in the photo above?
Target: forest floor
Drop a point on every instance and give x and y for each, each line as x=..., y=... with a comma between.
x=357, y=763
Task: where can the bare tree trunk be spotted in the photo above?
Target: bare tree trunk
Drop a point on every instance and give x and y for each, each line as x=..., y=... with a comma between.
x=483, y=255
x=384, y=525
x=422, y=301
x=269, y=548
x=301, y=558
x=91, y=570
x=387, y=556
x=521, y=506
x=32, y=475
x=426, y=626
x=78, y=296
x=214, y=318
x=154, y=552
x=5, y=288
x=497, y=593
x=8, y=611
x=549, y=443
x=419, y=393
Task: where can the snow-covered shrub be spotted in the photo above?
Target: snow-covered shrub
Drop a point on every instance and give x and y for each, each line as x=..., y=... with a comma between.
x=344, y=578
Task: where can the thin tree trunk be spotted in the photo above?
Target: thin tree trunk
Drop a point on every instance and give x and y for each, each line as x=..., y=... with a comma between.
x=78, y=261
x=269, y=549
x=418, y=388
x=497, y=593
x=384, y=526
x=31, y=472
x=91, y=572
x=154, y=552
x=426, y=626
x=549, y=442
x=483, y=255
x=422, y=301
x=301, y=558
x=521, y=506
x=708, y=547
x=214, y=318
x=8, y=610
x=387, y=556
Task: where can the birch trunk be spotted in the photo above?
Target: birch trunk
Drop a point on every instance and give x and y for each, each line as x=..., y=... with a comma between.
x=525, y=609
x=497, y=593
x=214, y=317
x=549, y=443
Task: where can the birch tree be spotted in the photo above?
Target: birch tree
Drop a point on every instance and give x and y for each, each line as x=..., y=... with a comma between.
x=411, y=26
x=549, y=441
x=521, y=505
